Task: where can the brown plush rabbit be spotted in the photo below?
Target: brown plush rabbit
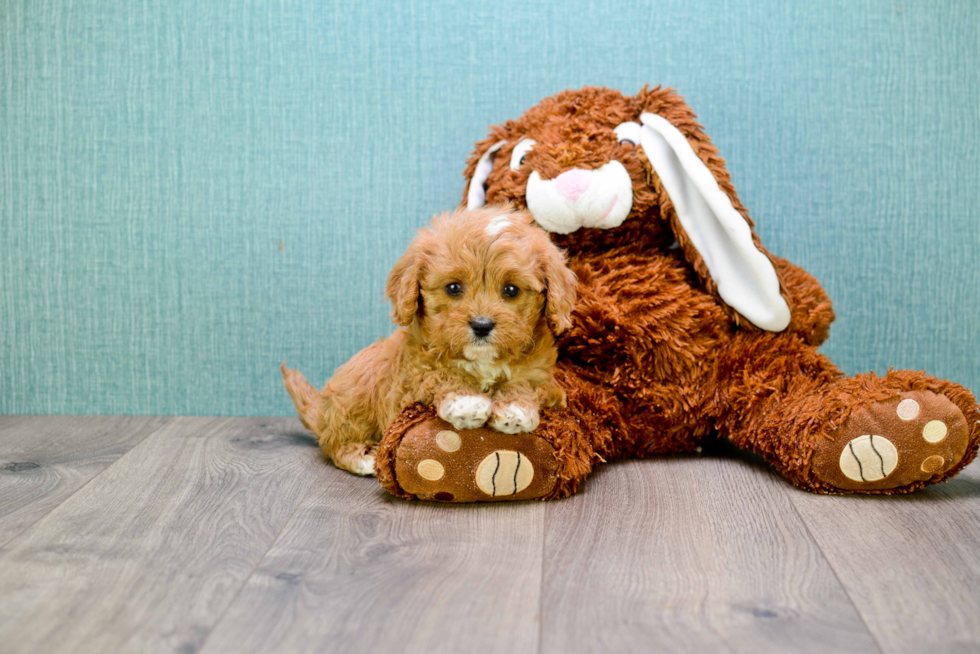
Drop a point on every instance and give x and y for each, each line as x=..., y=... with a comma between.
x=686, y=327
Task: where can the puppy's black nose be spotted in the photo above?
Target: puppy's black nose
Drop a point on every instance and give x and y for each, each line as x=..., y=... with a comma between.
x=481, y=326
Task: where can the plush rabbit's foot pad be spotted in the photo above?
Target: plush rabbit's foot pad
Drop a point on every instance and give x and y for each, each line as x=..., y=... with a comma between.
x=916, y=437
x=435, y=461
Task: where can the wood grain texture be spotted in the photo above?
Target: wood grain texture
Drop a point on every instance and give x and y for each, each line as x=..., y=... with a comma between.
x=360, y=571
x=232, y=535
x=910, y=564
x=44, y=459
x=148, y=555
x=688, y=555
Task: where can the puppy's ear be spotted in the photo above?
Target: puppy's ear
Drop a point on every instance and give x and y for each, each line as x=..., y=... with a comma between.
x=403, y=285
x=561, y=284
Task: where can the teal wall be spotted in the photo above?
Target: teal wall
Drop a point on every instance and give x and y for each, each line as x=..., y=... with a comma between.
x=192, y=191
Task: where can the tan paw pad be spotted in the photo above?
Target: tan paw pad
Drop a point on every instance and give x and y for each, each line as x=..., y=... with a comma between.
x=868, y=458
x=934, y=431
x=431, y=470
x=448, y=441
x=908, y=409
x=933, y=463
x=504, y=472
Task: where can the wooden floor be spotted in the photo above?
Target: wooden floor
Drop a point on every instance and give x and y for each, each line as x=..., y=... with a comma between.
x=232, y=535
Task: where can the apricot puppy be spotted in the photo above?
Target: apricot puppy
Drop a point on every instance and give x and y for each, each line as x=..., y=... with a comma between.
x=480, y=296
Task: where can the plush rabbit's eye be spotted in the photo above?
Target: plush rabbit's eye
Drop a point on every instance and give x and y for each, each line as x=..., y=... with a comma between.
x=520, y=151
x=511, y=291
x=628, y=132
x=454, y=289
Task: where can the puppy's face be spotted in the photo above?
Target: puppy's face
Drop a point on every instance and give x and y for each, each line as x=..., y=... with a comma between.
x=482, y=301
x=480, y=285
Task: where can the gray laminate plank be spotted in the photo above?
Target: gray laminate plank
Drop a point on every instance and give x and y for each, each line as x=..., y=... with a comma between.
x=689, y=554
x=44, y=459
x=357, y=570
x=149, y=554
x=911, y=563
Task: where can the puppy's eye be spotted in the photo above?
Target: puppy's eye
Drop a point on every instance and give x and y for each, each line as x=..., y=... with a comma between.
x=454, y=289
x=511, y=291
x=628, y=133
x=520, y=151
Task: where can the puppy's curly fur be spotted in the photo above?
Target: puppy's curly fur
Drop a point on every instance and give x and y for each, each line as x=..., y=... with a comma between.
x=479, y=296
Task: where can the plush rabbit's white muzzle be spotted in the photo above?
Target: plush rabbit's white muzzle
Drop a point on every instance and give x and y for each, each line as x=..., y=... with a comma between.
x=600, y=198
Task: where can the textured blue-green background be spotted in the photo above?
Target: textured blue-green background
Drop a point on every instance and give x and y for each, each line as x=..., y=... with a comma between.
x=192, y=191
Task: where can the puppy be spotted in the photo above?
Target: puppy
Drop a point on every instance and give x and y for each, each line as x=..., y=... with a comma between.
x=479, y=296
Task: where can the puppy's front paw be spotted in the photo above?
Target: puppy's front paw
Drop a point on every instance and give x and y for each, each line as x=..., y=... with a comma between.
x=364, y=466
x=514, y=418
x=465, y=411
x=354, y=457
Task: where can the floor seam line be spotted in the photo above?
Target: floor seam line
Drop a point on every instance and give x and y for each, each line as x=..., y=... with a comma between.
x=166, y=421
x=251, y=574
x=544, y=536
x=833, y=571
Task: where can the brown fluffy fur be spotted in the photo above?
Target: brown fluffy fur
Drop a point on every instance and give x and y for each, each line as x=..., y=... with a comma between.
x=655, y=361
x=435, y=357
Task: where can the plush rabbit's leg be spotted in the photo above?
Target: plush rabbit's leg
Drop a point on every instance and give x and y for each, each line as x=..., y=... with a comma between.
x=831, y=433
x=424, y=457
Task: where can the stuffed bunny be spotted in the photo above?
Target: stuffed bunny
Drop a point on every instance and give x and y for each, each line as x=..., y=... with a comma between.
x=686, y=327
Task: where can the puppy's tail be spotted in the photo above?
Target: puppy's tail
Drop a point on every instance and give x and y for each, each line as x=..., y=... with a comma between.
x=304, y=396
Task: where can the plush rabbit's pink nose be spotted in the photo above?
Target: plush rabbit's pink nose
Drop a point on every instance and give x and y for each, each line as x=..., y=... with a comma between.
x=573, y=183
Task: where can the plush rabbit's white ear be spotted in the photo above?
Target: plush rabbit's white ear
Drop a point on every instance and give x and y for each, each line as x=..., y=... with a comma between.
x=745, y=277
x=476, y=197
